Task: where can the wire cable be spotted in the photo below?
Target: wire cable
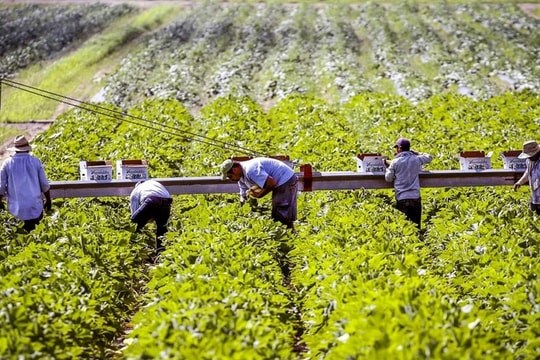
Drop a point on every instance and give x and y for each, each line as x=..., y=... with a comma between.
x=121, y=116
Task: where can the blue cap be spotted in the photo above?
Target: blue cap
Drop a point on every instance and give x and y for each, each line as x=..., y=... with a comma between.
x=403, y=143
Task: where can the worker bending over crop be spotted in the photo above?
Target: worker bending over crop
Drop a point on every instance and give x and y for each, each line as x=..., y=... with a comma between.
x=150, y=200
x=23, y=181
x=531, y=152
x=403, y=171
x=259, y=176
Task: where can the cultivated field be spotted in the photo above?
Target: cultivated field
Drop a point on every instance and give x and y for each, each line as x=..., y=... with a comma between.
x=321, y=83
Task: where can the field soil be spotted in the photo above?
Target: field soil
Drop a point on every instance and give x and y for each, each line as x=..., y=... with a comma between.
x=29, y=129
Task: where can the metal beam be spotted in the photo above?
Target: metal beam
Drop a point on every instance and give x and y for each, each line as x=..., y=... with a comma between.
x=439, y=178
x=319, y=181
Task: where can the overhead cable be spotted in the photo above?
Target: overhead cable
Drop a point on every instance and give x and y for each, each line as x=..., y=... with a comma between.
x=121, y=116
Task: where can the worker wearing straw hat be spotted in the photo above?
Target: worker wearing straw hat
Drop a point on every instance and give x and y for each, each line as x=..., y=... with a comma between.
x=24, y=183
x=531, y=152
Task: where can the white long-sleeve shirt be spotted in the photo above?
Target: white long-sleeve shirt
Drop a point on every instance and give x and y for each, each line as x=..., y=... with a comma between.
x=145, y=189
x=23, y=181
x=403, y=171
x=532, y=176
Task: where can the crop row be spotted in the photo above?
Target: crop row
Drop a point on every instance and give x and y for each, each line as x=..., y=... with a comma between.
x=373, y=288
x=30, y=33
x=357, y=280
x=218, y=291
x=334, y=51
x=66, y=290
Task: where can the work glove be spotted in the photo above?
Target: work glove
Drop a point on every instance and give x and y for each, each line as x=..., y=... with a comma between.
x=47, y=205
x=516, y=186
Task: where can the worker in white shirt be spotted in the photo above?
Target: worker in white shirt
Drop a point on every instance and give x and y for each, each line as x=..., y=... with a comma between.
x=24, y=183
x=403, y=171
x=150, y=200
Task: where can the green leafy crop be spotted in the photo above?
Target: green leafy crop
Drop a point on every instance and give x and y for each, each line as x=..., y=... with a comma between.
x=357, y=280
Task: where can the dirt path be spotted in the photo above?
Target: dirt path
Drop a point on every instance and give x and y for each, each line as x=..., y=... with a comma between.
x=29, y=129
x=530, y=9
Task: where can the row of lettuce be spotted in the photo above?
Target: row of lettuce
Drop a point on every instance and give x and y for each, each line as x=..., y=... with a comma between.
x=357, y=280
x=267, y=51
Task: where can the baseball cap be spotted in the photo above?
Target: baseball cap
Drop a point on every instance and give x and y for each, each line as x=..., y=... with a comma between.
x=403, y=143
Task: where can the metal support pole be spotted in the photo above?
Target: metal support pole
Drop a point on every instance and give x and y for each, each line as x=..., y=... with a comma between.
x=319, y=181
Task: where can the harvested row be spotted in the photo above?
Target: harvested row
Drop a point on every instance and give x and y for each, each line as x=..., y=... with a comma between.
x=333, y=51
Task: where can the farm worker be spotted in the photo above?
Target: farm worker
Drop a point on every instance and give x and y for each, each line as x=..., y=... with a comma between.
x=259, y=176
x=23, y=181
x=403, y=171
x=531, y=152
x=150, y=200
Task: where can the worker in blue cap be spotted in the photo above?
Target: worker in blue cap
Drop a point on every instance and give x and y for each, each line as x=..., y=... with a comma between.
x=403, y=171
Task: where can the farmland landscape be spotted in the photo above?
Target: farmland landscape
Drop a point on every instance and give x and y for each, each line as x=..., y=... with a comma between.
x=320, y=82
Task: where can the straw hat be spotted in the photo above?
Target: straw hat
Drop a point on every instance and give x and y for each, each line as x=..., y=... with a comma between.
x=20, y=144
x=530, y=148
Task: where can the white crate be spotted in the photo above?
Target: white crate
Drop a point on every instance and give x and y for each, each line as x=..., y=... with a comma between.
x=474, y=160
x=511, y=160
x=99, y=170
x=373, y=163
x=132, y=169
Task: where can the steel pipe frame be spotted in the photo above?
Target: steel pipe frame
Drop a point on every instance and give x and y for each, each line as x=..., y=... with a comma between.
x=318, y=181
